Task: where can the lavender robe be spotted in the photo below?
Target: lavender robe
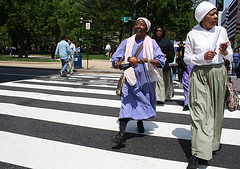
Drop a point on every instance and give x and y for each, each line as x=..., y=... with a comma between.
x=139, y=101
x=185, y=82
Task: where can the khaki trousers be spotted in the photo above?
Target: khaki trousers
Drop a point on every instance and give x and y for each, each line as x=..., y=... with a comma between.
x=207, y=89
x=164, y=86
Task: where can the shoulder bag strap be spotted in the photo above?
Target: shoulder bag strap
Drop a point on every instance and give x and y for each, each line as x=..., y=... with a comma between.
x=139, y=50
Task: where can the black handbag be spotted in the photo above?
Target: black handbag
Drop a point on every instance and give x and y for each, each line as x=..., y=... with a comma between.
x=237, y=71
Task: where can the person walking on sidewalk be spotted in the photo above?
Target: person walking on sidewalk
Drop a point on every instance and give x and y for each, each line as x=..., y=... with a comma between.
x=63, y=50
x=138, y=91
x=71, y=58
x=207, y=46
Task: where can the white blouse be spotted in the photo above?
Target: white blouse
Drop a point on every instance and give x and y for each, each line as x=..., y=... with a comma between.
x=200, y=41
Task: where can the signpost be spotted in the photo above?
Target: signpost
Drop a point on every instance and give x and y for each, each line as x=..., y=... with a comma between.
x=87, y=28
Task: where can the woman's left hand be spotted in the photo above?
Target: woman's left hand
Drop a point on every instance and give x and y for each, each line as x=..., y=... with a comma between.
x=223, y=48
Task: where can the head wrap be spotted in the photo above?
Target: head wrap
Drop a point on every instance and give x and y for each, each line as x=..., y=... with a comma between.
x=202, y=10
x=148, y=23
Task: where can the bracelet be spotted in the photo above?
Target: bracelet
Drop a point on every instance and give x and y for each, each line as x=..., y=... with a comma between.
x=149, y=60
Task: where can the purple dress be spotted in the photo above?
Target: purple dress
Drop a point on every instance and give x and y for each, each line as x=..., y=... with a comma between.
x=139, y=101
x=185, y=82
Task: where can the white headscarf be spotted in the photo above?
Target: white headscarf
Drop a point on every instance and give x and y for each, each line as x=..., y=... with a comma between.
x=148, y=23
x=202, y=9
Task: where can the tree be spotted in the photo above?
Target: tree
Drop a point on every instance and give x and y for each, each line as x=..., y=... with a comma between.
x=174, y=15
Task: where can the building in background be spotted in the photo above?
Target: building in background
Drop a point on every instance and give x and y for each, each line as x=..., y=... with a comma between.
x=230, y=19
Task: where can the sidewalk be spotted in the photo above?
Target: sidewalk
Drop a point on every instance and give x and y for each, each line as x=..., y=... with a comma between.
x=94, y=66
x=100, y=66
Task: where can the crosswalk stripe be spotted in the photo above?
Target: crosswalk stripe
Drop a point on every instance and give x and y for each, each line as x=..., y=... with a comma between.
x=72, y=89
x=159, y=129
x=78, y=83
x=35, y=152
x=59, y=88
x=99, y=102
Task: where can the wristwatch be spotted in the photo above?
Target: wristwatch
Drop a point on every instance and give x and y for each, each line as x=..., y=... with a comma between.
x=149, y=60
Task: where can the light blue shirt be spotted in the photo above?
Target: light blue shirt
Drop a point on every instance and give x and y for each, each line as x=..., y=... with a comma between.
x=63, y=49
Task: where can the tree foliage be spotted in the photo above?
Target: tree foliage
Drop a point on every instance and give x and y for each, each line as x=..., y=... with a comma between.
x=35, y=23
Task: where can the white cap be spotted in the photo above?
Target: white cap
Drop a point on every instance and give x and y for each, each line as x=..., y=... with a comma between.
x=148, y=23
x=202, y=10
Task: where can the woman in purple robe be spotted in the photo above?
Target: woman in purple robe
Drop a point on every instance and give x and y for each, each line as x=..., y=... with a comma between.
x=138, y=91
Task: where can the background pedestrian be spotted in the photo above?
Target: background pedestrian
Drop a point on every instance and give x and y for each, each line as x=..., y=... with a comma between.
x=63, y=50
x=164, y=87
x=71, y=57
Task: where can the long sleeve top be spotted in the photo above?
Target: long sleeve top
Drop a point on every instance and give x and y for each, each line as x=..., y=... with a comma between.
x=199, y=41
x=167, y=48
x=63, y=49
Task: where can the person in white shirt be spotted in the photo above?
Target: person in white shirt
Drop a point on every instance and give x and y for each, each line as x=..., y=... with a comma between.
x=71, y=59
x=207, y=45
x=108, y=49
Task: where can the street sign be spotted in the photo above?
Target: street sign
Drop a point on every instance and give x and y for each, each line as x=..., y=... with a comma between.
x=88, y=26
x=125, y=19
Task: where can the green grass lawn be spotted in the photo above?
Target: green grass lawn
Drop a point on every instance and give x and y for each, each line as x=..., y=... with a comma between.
x=47, y=58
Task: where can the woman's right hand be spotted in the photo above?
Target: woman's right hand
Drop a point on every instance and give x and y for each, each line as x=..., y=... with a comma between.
x=209, y=55
x=116, y=64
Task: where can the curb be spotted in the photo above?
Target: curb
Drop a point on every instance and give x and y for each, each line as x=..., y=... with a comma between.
x=75, y=70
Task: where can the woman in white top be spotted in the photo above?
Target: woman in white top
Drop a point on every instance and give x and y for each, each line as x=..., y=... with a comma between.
x=206, y=48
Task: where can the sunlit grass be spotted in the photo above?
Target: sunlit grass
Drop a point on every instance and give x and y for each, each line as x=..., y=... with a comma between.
x=47, y=58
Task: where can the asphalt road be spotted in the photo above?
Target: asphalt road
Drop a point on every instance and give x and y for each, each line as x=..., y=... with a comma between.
x=48, y=121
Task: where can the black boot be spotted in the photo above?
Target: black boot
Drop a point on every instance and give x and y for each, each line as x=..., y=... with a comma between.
x=193, y=162
x=119, y=139
x=140, y=126
x=185, y=108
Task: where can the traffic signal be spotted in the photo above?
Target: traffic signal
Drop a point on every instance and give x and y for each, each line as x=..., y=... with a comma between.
x=219, y=4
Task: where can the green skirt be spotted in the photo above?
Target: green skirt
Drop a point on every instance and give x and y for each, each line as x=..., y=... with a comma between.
x=207, y=88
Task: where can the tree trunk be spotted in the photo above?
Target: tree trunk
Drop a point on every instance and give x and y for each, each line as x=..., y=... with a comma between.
x=21, y=50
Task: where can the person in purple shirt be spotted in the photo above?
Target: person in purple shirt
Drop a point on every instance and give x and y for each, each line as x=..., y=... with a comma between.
x=138, y=91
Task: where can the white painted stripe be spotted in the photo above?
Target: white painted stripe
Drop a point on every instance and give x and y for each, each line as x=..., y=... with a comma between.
x=99, y=102
x=177, y=97
x=99, y=75
x=62, y=82
x=50, y=82
x=178, y=90
x=34, y=152
x=59, y=88
x=79, y=90
x=159, y=129
x=60, y=98
x=76, y=83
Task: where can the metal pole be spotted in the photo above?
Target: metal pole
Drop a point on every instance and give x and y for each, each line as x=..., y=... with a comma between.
x=132, y=18
x=87, y=47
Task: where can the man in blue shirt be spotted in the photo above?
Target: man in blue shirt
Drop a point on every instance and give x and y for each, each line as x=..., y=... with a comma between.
x=64, y=50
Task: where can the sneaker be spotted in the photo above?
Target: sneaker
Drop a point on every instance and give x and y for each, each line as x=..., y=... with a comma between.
x=140, y=126
x=119, y=139
x=193, y=162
